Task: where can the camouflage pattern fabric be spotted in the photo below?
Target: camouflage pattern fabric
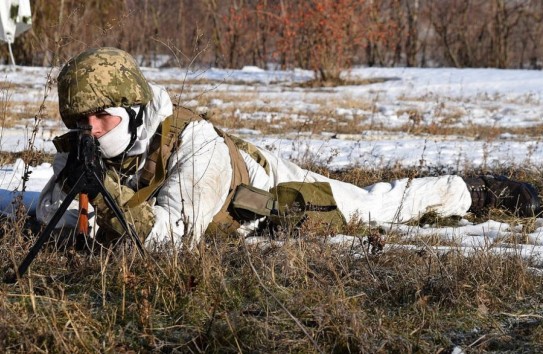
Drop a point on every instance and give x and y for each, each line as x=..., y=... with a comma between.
x=97, y=79
x=309, y=203
x=140, y=216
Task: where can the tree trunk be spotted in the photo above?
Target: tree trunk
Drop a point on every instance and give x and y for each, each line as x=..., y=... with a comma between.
x=412, y=41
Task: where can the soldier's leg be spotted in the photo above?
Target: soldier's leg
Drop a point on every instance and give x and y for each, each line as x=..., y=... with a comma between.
x=520, y=198
x=397, y=201
x=403, y=200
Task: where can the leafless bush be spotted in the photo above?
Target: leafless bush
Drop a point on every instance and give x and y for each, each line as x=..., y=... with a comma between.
x=325, y=36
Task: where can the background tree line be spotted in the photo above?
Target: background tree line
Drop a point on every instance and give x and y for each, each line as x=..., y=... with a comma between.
x=322, y=35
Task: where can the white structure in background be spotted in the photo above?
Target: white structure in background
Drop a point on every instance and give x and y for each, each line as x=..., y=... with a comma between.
x=15, y=18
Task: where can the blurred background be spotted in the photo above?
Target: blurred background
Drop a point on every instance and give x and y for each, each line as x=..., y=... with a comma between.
x=321, y=35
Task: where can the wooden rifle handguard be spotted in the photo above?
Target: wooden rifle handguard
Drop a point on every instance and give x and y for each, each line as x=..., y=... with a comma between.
x=83, y=221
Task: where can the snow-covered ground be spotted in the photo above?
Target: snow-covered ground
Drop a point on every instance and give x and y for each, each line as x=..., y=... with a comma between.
x=456, y=98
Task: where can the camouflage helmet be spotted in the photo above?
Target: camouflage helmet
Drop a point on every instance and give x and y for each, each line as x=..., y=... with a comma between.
x=97, y=79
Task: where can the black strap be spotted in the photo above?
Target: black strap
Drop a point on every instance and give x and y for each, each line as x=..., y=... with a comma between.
x=133, y=124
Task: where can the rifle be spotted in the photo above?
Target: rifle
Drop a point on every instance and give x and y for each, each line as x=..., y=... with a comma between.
x=89, y=155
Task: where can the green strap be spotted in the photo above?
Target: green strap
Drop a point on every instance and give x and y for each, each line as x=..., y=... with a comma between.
x=170, y=138
x=253, y=151
x=157, y=181
x=225, y=222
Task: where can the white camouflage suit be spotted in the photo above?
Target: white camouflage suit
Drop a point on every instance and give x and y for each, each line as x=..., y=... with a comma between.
x=199, y=177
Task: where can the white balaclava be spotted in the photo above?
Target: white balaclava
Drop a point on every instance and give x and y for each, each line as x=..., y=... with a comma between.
x=115, y=142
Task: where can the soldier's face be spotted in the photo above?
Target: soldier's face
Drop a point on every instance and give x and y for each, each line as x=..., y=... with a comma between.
x=102, y=122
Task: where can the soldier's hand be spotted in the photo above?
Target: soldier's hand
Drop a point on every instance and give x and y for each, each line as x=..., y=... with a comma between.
x=140, y=216
x=90, y=170
x=71, y=173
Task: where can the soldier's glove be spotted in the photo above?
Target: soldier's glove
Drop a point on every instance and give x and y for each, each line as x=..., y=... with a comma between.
x=141, y=216
x=76, y=169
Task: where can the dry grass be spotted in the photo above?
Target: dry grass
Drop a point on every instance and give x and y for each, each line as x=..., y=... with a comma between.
x=335, y=82
x=247, y=108
x=17, y=113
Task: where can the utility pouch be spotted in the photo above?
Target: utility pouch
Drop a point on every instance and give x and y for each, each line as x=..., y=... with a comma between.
x=310, y=204
x=250, y=203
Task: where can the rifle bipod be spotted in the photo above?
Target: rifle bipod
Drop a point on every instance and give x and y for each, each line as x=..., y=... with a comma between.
x=79, y=187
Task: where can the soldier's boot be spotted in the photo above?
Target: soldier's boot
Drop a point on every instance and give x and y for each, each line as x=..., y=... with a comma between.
x=519, y=198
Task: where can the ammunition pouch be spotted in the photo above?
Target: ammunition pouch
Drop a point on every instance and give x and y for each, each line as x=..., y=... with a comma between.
x=251, y=203
x=290, y=205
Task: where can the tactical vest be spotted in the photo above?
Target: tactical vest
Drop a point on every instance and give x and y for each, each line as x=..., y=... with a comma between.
x=288, y=204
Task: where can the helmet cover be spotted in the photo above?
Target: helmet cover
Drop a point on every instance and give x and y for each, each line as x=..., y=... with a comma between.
x=98, y=79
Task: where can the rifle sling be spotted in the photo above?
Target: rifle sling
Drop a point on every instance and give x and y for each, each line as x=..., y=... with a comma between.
x=154, y=172
x=224, y=222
